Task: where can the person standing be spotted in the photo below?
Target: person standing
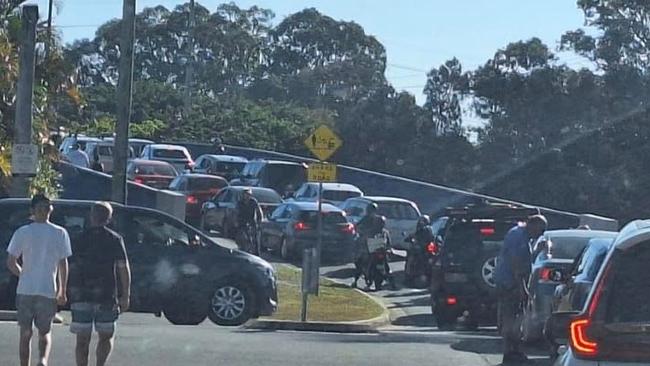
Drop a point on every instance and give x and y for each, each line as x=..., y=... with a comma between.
x=100, y=262
x=512, y=272
x=42, y=277
x=78, y=157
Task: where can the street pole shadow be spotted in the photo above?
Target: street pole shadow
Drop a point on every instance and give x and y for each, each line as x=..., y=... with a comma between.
x=416, y=320
x=494, y=346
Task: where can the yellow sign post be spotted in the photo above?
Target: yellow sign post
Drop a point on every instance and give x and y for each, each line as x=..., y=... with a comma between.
x=319, y=172
x=323, y=142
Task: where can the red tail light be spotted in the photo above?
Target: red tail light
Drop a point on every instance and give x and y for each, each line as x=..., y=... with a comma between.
x=348, y=228
x=192, y=200
x=487, y=231
x=545, y=274
x=580, y=342
x=432, y=248
x=452, y=300
x=139, y=180
x=300, y=226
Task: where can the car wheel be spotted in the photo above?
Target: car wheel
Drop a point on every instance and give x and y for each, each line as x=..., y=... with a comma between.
x=486, y=270
x=285, y=251
x=186, y=310
x=231, y=304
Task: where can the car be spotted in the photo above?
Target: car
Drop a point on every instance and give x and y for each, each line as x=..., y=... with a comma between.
x=220, y=212
x=282, y=176
x=178, y=156
x=334, y=193
x=176, y=270
x=227, y=166
x=292, y=227
x=611, y=328
x=68, y=142
x=156, y=174
x=572, y=293
x=401, y=215
x=197, y=188
x=462, y=281
x=136, y=144
x=102, y=151
x=553, y=255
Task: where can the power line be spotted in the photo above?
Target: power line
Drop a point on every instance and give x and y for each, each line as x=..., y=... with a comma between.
x=403, y=67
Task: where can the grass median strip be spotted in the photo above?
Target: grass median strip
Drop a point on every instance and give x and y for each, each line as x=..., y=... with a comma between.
x=335, y=302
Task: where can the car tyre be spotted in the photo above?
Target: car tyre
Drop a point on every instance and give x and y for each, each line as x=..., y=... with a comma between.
x=186, y=310
x=485, y=271
x=444, y=317
x=231, y=303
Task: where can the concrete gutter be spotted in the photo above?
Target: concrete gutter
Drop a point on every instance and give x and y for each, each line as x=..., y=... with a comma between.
x=10, y=316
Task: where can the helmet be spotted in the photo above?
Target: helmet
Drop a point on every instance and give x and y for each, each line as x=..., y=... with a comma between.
x=372, y=208
x=382, y=221
x=423, y=221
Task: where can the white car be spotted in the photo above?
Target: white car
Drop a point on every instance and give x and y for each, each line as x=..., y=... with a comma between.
x=103, y=152
x=401, y=215
x=613, y=327
x=333, y=193
x=176, y=155
x=68, y=142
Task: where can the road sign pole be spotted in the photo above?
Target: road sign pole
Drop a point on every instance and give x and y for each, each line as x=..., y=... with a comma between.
x=303, y=310
x=319, y=243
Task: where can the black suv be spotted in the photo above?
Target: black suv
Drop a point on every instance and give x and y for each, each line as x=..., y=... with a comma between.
x=282, y=176
x=470, y=239
x=176, y=270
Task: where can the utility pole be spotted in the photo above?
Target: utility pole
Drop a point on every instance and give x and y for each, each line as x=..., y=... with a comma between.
x=189, y=70
x=124, y=99
x=49, y=28
x=25, y=154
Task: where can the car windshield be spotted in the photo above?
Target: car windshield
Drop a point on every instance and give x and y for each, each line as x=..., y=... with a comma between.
x=206, y=184
x=266, y=196
x=566, y=247
x=398, y=211
x=169, y=154
x=627, y=303
x=155, y=169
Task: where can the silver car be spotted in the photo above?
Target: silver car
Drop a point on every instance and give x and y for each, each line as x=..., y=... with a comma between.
x=333, y=193
x=612, y=327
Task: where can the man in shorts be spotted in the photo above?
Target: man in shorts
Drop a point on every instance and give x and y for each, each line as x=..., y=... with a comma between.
x=96, y=300
x=44, y=249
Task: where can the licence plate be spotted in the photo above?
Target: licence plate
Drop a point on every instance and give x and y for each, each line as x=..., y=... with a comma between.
x=455, y=277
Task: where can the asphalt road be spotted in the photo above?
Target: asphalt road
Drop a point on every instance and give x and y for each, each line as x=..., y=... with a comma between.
x=144, y=340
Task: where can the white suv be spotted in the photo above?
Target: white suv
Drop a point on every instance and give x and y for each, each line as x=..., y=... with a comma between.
x=614, y=326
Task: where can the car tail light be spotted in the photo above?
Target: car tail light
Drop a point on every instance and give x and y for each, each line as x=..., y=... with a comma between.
x=192, y=200
x=300, y=226
x=432, y=248
x=348, y=228
x=580, y=342
x=452, y=300
x=487, y=231
x=545, y=274
x=139, y=180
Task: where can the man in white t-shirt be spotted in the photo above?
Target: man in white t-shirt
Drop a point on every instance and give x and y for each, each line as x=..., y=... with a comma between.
x=78, y=157
x=42, y=276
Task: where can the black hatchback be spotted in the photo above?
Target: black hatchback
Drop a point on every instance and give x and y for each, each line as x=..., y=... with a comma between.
x=176, y=270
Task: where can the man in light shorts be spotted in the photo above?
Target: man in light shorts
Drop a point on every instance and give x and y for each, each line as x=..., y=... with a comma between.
x=99, y=258
x=44, y=249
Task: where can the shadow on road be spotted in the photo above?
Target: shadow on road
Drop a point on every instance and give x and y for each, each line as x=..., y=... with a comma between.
x=340, y=274
x=494, y=346
x=417, y=320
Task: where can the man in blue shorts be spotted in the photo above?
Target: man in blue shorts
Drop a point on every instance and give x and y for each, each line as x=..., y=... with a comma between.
x=98, y=264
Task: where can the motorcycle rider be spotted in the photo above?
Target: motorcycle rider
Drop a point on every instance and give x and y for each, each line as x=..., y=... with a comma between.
x=371, y=225
x=248, y=212
x=420, y=239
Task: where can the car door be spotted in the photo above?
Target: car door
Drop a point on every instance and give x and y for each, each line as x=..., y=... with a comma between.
x=157, y=247
x=229, y=207
x=269, y=228
x=218, y=214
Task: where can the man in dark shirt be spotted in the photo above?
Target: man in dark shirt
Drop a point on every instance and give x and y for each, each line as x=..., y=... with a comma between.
x=513, y=269
x=248, y=209
x=99, y=256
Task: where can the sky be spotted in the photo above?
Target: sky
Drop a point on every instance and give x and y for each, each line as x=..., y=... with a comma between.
x=417, y=34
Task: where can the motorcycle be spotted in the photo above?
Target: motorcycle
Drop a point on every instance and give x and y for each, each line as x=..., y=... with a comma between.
x=375, y=269
x=419, y=261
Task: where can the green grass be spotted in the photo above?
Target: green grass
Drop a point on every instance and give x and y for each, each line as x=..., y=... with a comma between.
x=335, y=302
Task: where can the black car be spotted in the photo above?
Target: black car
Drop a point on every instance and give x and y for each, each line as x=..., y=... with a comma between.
x=220, y=212
x=293, y=227
x=462, y=283
x=176, y=270
x=282, y=176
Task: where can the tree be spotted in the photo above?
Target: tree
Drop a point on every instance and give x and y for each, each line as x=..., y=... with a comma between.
x=445, y=89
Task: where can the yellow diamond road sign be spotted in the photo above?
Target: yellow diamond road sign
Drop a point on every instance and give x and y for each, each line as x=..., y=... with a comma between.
x=318, y=172
x=323, y=142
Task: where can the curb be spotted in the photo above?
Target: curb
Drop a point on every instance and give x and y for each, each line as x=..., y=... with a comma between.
x=10, y=316
x=358, y=326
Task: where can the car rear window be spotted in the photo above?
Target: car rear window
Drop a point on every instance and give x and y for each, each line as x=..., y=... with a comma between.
x=165, y=170
x=339, y=195
x=105, y=150
x=224, y=167
x=398, y=211
x=567, y=248
x=266, y=196
x=311, y=217
x=628, y=295
x=282, y=175
x=169, y=154
x=206, y=184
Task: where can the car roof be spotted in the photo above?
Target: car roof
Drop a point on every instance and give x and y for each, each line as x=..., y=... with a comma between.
x=579, y=233
x=83, y=138
x=204, y=176
x=259, y=189
x=378, y=199
x=634, y=233
x=313, y=206
x=338, y=187
x=149, y=162
x=167, y=147
x=278, y=162
x=226, y=158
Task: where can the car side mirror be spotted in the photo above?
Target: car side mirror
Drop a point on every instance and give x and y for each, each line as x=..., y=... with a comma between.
x=556, y=329
x=195, y=241
x=556, y=275
x=209, y=205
